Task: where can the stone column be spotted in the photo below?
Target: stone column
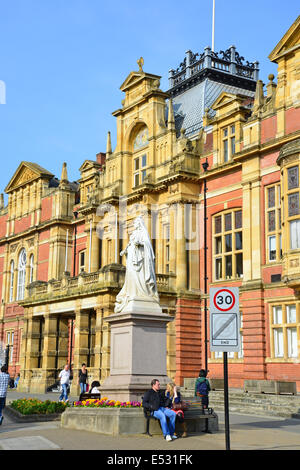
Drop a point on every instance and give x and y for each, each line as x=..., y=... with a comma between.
x=63, y=342
x=81, y=344
x=30, y=352
x=49, y=350
x=181, y=278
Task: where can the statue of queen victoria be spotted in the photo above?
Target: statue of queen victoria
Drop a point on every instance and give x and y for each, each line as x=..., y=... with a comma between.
x=140, y=280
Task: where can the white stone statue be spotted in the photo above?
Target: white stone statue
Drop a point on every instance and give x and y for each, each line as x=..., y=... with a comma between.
x=140, y=280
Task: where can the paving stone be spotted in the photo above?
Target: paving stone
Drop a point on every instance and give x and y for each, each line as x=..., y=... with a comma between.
x=28, y=443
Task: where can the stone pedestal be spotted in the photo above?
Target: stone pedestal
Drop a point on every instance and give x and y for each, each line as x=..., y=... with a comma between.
x=138, y=351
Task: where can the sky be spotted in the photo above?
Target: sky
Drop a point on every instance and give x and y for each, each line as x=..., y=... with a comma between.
x=63, y=61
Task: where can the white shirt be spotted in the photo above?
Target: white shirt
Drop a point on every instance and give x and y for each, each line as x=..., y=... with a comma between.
x=64, y=376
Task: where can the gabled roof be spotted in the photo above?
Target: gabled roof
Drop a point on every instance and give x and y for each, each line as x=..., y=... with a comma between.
x=25, y=173
x=136, y=77
x=88, y=164
x=289, y=42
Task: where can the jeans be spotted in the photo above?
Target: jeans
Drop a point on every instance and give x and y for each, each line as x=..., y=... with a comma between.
x=168, y=427
x=82, y=387
x=64, y=393
x=2, y=404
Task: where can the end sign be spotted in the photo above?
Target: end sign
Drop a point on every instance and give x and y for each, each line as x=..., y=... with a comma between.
x=224, y=319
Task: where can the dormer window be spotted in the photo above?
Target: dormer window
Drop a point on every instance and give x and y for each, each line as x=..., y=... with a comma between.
x=228, y=137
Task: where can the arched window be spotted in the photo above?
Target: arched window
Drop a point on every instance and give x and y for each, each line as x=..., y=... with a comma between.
x=21, y=275
x=31, y=263
x=11, y=284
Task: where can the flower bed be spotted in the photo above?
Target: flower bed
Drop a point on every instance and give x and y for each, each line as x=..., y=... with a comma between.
x=31, y=406
x=106, y=403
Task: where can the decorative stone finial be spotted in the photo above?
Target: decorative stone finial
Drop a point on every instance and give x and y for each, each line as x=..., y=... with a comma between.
x=171, y=120
x=64, y=173
x=108, y=143
x=140, y=63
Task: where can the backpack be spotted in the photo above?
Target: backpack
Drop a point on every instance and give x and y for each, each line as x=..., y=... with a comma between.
x=202, y=388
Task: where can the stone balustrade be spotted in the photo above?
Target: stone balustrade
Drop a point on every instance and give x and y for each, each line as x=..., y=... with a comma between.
x=112, y=275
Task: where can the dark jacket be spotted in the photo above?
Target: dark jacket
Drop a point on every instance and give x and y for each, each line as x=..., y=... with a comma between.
x=153, y=400
x=176, y=400
x=199, y=381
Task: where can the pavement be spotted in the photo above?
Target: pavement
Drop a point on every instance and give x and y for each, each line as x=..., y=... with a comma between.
x=246, y=433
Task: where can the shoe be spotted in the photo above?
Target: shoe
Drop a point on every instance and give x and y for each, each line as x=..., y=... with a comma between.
x=1, y=419
x=174, y=436
x=168, y=437
x=184, y=434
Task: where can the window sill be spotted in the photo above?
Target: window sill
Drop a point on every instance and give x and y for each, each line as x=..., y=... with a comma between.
x=289, y=360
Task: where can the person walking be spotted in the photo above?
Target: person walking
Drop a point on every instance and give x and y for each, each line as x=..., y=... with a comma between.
x=4, y=381
x=155, y=401
x=64, y=377
x=16, y=381
x=82, y=379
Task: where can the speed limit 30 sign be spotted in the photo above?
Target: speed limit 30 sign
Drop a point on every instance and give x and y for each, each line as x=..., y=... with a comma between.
x=224, y=319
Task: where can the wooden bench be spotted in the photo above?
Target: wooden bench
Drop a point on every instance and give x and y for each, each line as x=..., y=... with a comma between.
x=207, y=413
x=90, y=396
x=148, y=416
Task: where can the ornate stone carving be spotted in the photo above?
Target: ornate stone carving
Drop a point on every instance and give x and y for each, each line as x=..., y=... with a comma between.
x=25, y=176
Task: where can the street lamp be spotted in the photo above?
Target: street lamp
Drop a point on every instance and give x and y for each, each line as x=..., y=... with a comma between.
x=205, y=167
x=75, y=242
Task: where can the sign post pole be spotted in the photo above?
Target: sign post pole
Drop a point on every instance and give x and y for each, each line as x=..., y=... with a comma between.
x=224, y=334
x=226, y=404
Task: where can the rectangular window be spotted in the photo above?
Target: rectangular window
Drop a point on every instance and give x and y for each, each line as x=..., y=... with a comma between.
x=238, y=219
x=292, y=342
x=285, y=330
x=271, y=196
x=228, y=245
x=218, y=224
x=81, y=261
x=225, y=150
x=273, y=223
x=272, y=248
x=140, y=172
x=278, y=342
x=239, y=264
x=228, y=266
x=218, y=268
x=295, y=234
x=238, y=240
x=293, y=177
x=218, y=245
x=277, y=315
x=228, y=242
x=291, y=313
x=227, y=222
x=232, y=141
x=293, y=204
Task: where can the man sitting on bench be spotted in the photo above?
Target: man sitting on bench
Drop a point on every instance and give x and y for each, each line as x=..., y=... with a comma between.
x=155, y=401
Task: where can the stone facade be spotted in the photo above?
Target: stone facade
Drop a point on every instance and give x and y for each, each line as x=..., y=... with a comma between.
x=60, y=268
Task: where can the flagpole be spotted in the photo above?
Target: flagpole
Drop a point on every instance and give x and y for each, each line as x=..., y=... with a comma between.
x=213, y=28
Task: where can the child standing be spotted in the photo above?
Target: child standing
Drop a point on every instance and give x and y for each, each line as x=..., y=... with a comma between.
x=202, y=388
